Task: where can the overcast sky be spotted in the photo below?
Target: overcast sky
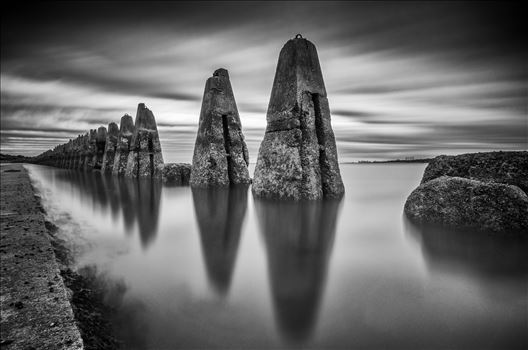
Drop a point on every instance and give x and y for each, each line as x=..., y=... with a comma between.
x=403, y=79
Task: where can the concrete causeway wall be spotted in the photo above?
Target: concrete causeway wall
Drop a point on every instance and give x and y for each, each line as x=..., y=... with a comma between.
x=36, y=310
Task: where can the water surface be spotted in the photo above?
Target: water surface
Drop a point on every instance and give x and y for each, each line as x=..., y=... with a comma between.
x=219, y=269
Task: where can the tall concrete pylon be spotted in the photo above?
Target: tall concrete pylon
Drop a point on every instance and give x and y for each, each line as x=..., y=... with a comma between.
x=110, y=148
x=90, y=150
x=220, y=153
x=124, y=140
x=145, y=159
x=100, y=142
x=298, y=156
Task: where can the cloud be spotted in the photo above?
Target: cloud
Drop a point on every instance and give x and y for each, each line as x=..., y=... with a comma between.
x=402, y=79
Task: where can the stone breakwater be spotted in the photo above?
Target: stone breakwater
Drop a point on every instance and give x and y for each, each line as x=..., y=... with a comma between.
x=36, y=310
x=297, y=158
x=477, y=191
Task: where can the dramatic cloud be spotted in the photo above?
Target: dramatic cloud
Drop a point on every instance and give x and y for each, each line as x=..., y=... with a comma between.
x=403, y=79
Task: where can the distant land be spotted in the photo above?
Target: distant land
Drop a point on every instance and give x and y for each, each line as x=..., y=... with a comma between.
x=406, y=160
x=8, y=158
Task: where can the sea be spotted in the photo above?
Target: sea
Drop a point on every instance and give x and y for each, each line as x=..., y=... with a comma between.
x=185, y=268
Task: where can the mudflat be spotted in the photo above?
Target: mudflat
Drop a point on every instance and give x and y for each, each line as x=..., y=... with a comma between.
x=35, y=304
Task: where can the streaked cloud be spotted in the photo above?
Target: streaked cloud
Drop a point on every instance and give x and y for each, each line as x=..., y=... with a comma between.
x=403, y=79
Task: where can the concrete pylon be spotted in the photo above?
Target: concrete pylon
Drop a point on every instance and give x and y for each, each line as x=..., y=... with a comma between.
x=145, y=159
x=220, y=152
x=110, y=148
x=298, y=156
x=126, y=131
x=82, y=151
x=100, y=142
x=68, y=147
x=75, y=154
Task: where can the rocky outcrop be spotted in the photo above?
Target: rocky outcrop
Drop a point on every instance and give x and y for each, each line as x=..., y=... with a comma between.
x=502, y=167
x=457, y=202
x=220, y=153
x=145, y=159
x=110, y=148
x=298, y=156
x=476, y=191
x=126, y=131
x=177, y=174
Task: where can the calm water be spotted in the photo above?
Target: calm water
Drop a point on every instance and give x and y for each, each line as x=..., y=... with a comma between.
x=219, y=269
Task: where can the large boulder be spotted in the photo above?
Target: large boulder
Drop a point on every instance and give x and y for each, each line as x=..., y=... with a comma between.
x=176, y=174
x=220, y=152
x=298, y=156
x=457, y=202
x=502, y=167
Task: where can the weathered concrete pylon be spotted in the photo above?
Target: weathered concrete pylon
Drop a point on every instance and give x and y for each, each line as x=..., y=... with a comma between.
x=90, y=150
x=100, y=142
x=83, y=142
x=66, y=154
x=74, y=158
x=298, y=156
x=75, y=153
x=110, y=148
x=220, y=152
x=83, y=149
x=145, y=158
x=124, y=139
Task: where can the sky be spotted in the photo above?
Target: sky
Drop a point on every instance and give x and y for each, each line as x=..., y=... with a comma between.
x=411, y=79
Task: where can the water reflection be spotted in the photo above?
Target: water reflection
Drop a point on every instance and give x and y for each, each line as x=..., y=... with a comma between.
x=299, y=239
x=146, y=194
x=137, y=199
x=220, y=213
x=112, y=192
x=126, y=314
x=489, y=259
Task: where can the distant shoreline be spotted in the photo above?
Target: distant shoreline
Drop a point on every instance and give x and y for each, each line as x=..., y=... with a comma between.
x=421, y=160
x=7, y=158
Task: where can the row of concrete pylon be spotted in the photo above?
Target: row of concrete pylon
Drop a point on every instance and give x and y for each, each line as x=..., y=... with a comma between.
x=132, y=149
x=297, y=157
